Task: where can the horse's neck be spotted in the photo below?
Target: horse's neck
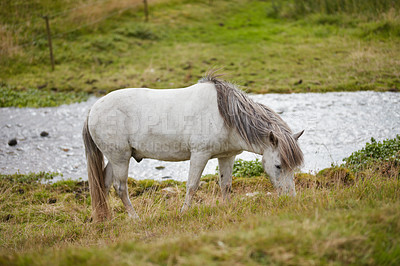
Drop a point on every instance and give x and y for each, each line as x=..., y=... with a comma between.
x=243, y=145
x=254, y=149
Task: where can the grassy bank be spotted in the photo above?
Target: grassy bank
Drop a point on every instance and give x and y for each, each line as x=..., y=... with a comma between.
x=265, y=46
x=334, y=221
x=343, y=214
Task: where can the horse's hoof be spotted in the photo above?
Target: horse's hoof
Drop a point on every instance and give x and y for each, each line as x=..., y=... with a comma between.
x=134, y=216
x=184, y=208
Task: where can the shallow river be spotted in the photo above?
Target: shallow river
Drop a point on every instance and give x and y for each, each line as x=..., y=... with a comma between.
x=336, y=124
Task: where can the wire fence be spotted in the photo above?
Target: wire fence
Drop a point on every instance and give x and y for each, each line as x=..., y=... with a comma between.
x=60, y=17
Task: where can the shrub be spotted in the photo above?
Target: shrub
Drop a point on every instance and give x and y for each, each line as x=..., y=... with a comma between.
x=242, y=168
x=387, y=150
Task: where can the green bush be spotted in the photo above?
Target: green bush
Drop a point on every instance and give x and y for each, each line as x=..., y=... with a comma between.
x=387, y=150
x=242, y=168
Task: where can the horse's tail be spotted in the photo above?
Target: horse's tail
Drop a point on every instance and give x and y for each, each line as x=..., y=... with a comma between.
x=95, y=164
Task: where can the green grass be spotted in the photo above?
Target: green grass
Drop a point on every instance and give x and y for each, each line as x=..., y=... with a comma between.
x=11, y=97
x=365, y=8
x=261, y=51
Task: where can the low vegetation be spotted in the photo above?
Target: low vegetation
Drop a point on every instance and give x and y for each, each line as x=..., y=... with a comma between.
x=11, y=97
x=363, y=9
x=387, y=151
x=242, y=168
x=265, y=46
x=340, y=216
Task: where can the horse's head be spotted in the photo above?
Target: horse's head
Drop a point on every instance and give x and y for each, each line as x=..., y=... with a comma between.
x=280, y=174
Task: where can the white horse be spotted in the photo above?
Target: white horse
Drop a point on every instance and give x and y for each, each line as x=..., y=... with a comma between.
x=211, y=119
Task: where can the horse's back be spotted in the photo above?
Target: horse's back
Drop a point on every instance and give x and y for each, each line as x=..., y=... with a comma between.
x=132, y=98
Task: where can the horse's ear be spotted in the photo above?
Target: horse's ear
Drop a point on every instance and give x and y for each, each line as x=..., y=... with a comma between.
x=273, y=139
x=298, y=135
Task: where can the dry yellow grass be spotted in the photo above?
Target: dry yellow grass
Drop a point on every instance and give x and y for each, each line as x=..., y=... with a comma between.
x=8, y=47
x=76, y=14
x=49, y=224
x=94, y=11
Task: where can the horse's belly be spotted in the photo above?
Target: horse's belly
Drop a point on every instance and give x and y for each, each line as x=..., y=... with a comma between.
x=162, y=150
x=169, y=156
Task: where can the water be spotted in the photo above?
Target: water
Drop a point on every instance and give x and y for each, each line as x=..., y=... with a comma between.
x=336, y=124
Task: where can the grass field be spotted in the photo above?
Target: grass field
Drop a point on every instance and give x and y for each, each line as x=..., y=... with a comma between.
x=347, y=214
x=337, y=218
x=265, y=46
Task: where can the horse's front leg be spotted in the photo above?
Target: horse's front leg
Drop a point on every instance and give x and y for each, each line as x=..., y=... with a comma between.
x=197, y=163
x=225, y=166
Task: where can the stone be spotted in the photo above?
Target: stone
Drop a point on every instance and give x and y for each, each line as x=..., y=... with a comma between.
x=170, y=191
x=12, y=142
x=252, y=194
x=44, y=134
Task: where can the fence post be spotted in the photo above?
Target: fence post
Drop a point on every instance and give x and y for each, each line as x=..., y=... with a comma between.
x=146, y=10
x=46, y=18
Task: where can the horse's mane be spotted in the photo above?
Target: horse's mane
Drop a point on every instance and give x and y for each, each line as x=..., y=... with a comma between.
x=255, y=121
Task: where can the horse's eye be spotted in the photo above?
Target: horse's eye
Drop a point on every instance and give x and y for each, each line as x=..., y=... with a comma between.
x=278, y=166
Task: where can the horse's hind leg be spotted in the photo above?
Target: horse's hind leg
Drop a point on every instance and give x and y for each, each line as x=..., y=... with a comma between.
x=225, y=166
x=108, y=177
x=120, y=182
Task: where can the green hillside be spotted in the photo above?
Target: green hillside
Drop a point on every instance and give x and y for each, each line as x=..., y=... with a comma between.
x=265, y=46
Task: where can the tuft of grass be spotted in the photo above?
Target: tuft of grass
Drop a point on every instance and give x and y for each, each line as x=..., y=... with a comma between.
x=335, y=176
